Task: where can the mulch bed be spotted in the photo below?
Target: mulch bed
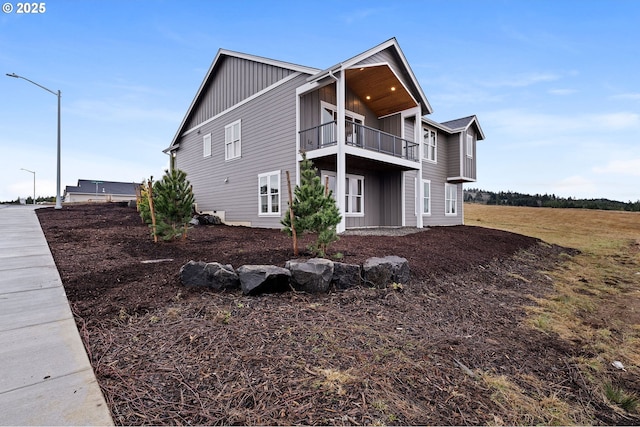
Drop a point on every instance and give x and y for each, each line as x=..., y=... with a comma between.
x=165, y=354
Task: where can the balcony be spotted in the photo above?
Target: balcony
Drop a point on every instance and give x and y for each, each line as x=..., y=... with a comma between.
x=358, y=135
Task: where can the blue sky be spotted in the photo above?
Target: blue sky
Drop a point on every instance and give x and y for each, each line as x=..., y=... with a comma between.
x=554, y=83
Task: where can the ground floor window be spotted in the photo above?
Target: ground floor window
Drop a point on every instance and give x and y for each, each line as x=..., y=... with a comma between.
x=426, y=197
x=450, y=199
x=269, y=193
x=354, y=192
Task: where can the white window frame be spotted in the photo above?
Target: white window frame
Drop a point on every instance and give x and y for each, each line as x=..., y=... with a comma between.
x=427, y=143
x=350, y=198
x=206, y=145
x=348, y=115
x=232, y=146
x=450, y=203
x=267, y=176
x=426, y=197
x=470, y=146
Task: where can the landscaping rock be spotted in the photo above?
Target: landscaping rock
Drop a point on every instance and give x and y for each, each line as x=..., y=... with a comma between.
x=313, y=276
x=193, y=274
x=208, y=219
x=209, y=275
x=346, y=276
x=381, y=272
x=257, y=279
x=222, y=276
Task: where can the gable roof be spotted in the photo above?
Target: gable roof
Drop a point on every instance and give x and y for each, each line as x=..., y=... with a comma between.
x=392, y=44
x=463, y=124
x=222, y=53
x=86, y=186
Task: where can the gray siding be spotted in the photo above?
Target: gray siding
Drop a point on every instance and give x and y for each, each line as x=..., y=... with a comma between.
x=382, y=201
x=310, y=107
x=224, y=90
x=410, y=219
x=451, y=144
x=470, y=162
x=268, y=144
x=437, y=173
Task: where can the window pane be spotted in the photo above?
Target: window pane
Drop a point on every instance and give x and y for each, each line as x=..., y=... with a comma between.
x=275, y=203
x=273, y=183
x=359, y=187
x=358, y=207
x=264, y=208
x=263, y=185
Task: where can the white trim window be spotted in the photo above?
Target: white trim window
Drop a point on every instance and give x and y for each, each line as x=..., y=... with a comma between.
x=354, y=192
x=426, y=197
x=329, y=113
x=232, y=141
x=269, y=194
x=450, y=199
x=206, y=145
x=354, y=195
x=470, y=146
x=430, y=145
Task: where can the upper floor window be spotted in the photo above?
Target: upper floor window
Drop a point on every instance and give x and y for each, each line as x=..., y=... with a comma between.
x=469, y=145
x=450, y=199
x=232, y=141
x=206, y=145
x=430, y=144
x=269, y=193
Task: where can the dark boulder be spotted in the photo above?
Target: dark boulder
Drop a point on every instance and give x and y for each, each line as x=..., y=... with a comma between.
x=258, y=279
x=381, y=272
x=346, y=276
x=313, y=276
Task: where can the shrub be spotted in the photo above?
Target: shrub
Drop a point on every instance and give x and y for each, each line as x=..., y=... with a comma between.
x=314, y=209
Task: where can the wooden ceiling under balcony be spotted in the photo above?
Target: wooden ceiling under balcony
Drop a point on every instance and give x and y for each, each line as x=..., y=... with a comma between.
x=380, y=89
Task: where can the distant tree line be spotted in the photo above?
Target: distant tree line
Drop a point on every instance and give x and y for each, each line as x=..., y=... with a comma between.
x=29, y=200
x=512, y=198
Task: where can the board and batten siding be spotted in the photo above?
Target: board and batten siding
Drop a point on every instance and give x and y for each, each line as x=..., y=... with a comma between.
x=437, y=173
x=452, y=147
x=410, y=199
x=268, y=143
x=310, y=105
x=382, y=199
x=224, y=90
x=469, y=163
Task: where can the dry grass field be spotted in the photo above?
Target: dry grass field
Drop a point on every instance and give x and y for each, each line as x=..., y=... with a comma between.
x=596, y=303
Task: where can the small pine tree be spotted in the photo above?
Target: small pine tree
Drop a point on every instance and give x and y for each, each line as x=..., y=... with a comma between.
x=314, y=210
x=143, y=201
x=173, y=203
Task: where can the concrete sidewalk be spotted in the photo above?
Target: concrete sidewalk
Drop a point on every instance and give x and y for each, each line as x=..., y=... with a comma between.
x=45, y=374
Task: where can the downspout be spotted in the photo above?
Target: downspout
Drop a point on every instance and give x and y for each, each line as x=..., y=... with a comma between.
x=341, y=163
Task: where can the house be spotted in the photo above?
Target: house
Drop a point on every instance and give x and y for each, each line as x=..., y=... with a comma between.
x=361, y=122
x=100, y=191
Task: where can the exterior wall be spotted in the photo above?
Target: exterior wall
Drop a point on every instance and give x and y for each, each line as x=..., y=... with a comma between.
x=451, y=144
x=268, y=141
x=469, y=163
x=92, y=198
x=410, y=199
x=437, y=173
x=310, y=105
x=382, y=201
x=224, y=92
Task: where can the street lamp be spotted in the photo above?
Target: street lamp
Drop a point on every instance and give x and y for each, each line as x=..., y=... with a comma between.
x=34, y=183
x=58, y=94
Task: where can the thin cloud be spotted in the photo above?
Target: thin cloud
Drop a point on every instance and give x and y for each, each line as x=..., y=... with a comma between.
x=630, y=167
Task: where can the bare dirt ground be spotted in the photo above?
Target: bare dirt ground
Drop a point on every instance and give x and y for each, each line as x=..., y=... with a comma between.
x=420, y=354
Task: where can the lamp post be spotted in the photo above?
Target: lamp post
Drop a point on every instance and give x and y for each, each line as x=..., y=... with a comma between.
x=58, y=94
x=34, y=183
